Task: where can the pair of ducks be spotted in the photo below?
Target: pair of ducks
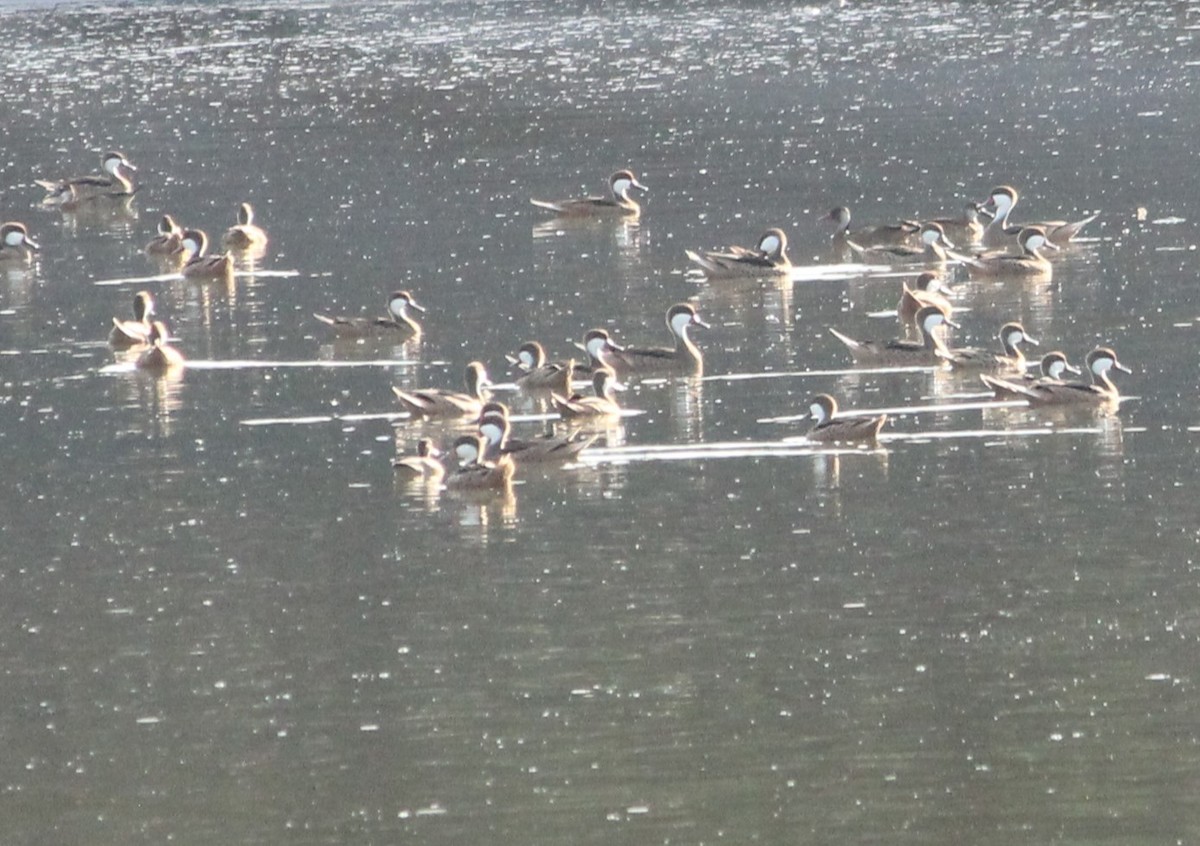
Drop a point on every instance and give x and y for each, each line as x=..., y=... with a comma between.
x=1051, y=390
x=447, y=405
x=150, y=336
x=189, y=247
x=931, y=350
x=472, y=471
x=487, y=458
x=536, y=373
x=539, y=376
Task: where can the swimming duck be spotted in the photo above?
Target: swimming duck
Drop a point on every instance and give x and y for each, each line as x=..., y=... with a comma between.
x=201, y=266
x=160, y=355
x=932, y=250
x=136, y=332
x=929, y=351
x=1053, y=366
x=620, y=204
x=1012, y=360
x=435, y=403
x=603, y=404
x=901, y=232
x=830, y=428
x=998, y=232
x=426, y=464
x=1029, y=262
x=926, y=291
x=16, y=247
x=768, y=258
x=397, y=323
x=169, y=240
x=965, y=229
x=538, y=374
x=495, y=427
x=245, y=235
x=117, y=182
x=473, y=471
x=684, y=357
x=1099, y=392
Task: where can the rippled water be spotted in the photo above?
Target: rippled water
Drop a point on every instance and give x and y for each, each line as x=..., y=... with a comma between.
x=983, y=632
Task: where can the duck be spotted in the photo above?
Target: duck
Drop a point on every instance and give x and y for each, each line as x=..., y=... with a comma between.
x=620, y=204
x=535, y=373
x=1053, y=365
x=474, y=472
x=16, y=247
x=426, y=464
x=494, y=426
x=1011, y=360
x=767, y=258
x=901, y=232
x=136, y=332
x=829, y=428
x=932, y=250
x=169, y=240
x=116, y=182
x=245, y=235
x=603, y=404
x=931, y=350
x=435, y=403
x=160, y=355
x=966, y=228
x=1028, y=263
x=683, y=358
x=927, y=290
x=1099, y=392
x=596, y=343
x=201, y=266
x=1000, y=204
x=397, y=323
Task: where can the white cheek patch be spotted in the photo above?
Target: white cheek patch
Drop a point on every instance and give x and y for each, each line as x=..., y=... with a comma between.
x=1102, y=365
x=817, y=411
x=1035, y=242
x=526, y=359
x=621, y=186
x=680, y=323
x=14, y=238
x=595, y=347
x=466, y=453
x=491, y=432
x=770, y=244
x=192, y=244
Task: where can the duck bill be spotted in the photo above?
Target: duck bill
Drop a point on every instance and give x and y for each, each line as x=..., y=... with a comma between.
x=951, y=323
x=32, y=244
x=639, y=186
x=419, y=308
x=1119, y=366
x=701, y=323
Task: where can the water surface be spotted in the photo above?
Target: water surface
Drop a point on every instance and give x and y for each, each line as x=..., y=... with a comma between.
x=256, y=634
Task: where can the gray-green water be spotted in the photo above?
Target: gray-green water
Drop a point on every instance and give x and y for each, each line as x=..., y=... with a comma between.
x=218, y=632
